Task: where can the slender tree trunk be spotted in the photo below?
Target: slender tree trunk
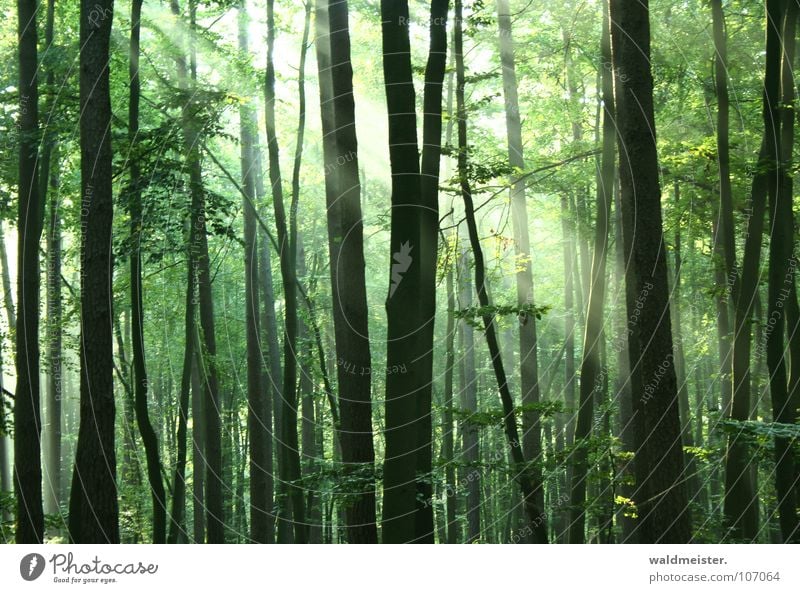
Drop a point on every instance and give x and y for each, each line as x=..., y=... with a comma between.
x=726, y=225
x=288, y=444
x=260, y=524
x=428, y=253
x=198, y=446
x=189, y=369
x=661, y=494
x=592, y=376
x=741, y=500
x=272, y=378
x=684, y=407
x=534, y=513
x=529, y=365
x=207, y=344
x=149, y=437
x=49, y=179
x=93, y=516
x=447, y=429
x=468, y=400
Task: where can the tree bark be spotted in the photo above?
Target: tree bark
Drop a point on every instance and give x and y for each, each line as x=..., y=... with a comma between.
x=660, y=492
x=140, y=382
x=346, y=251
x=781, y=288
x=93, y=516
x=49, y=180
x=406, y=363
x=27, y=413
x=741, y=500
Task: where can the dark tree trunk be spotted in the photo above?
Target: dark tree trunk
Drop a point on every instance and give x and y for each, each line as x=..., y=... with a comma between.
x=741, y=500
x=623, y=386
x=149, y=437
x=428, y=253
x=405, y=371
x=93, y=516
x=660, y=492
x=345, y=244
x=288, y=443
x=534, y=514
x=781, y=288
x=27, y=413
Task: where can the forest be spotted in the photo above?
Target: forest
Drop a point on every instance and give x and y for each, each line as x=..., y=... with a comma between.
x=391, y=271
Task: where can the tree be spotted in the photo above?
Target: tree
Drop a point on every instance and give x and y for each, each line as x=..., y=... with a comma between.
x=27, y=413
x=592, y=373
x=93, y=510
x=287, y=238
x=346, y=250
x=149, y=437
x=781, y=286
x=198, y=264
x=660, y=494
x=534, y=514
x=49, y=180
x=260, y=524
x=741, y=502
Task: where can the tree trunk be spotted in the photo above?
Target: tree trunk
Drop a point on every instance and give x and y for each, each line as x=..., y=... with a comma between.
x=529, y=365
x=428, y=253
x=93, y=516
x=781, y=287
x=447, y=428
x=741, y=500
x=207, y=345
x=534, y=513
x=149, y=437
x=49, y=179
x=661, y=494
x=288, y=443
x=199, y=469
x=189, y=369
x=406, y=362
x=345, y=244
x=260, y=523
x=468, y=404
x=592, y=376
x=272, y=377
